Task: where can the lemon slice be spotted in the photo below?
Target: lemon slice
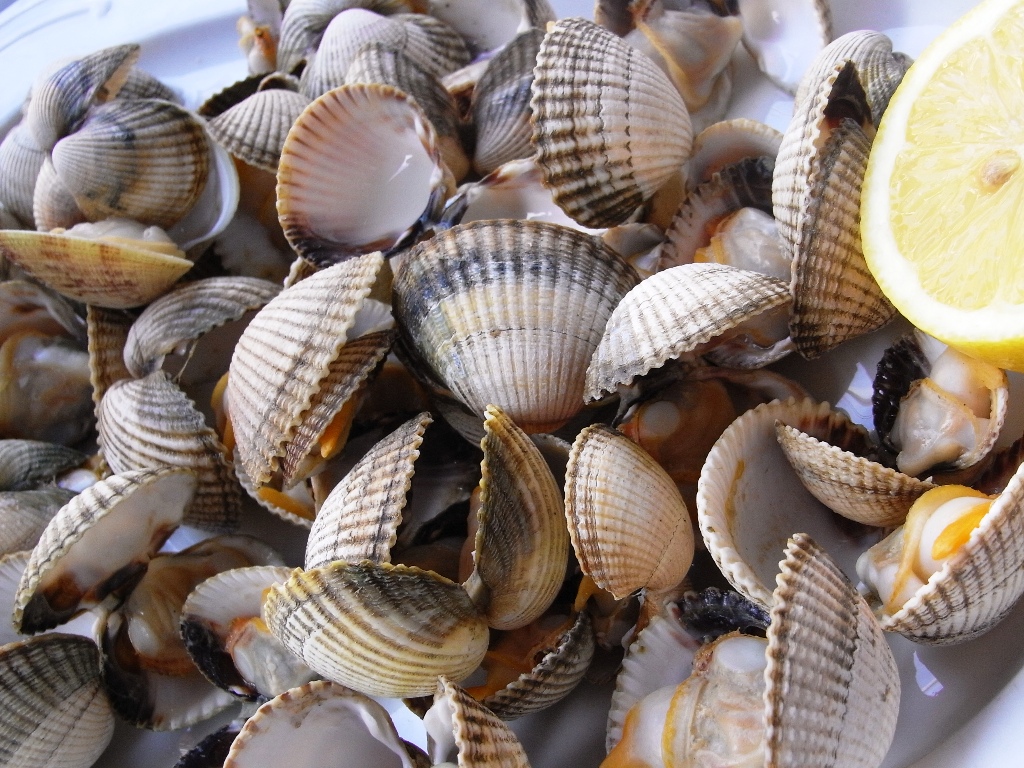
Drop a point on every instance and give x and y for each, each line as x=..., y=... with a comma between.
x=942, y=211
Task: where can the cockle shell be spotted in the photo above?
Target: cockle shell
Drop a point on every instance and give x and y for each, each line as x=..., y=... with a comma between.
x=847, y=483
x=749, y=499
x=157, y=178
x=379, y=63
x=144, y=507
x=522, y=543
x=609, y=127
x=255, y=129
x=304, y=23
x=220, y=616
x=151, y=422
x=489, y=29
x=55, y=710
x=679, y=311
x=383, y=630
x=108, y=332
x=20, y=161
x=629, y=525
x=816, y=200
x=25, y=464
x=301, y=725
x=457, y=724
x=60, y=100
x=285, y=353
x=184, y=314
x=393, y=186
x=501, y=104
x=359, y=519
x=487, y=304
x=53, y=205
x=729, y=141
x=980, y=582
x=24, y=516
x=115, y=275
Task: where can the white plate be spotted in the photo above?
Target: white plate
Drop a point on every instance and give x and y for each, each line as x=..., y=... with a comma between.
x=970, y=697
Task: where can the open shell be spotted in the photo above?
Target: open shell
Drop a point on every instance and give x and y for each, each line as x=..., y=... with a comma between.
x=380, y=139
x=459, y=725
x=71, y=570
x=487, y=304
x=609, y=127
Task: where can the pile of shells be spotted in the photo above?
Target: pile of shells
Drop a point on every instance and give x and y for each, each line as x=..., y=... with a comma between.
x=484, y=316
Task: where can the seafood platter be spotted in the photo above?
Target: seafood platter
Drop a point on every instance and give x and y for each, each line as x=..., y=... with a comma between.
x=448, y=382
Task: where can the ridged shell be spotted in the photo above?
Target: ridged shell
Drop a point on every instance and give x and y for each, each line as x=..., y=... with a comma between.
x=24, y=516
x=745, y=183
x=552, y=678
x=481, y=740
x=501, y=104
x=211, y=614
x=304, y=23
x=300, y=726
x=674, y=313
x=978, y=585
x=255, y=129
x=391, y=187
x=490, y=305
x=25, y=464
x=111, y=275
x=144, y=507
x=827, y=656
x=727, y=142
x=229, y=96
x=151, y=422
x=629, y=525
x=20, y=162
x=878, y=68
x=816, y=201
x=380, y=629
x=609, y=127
x=749, y=500
x=360, y=517
x=157, y=178
x=108, y=331
x=55, y=711
x=379, y=63
x=850, y=485
x=522, y=544
x=186, y=313
x=59, y=102
x=53, y=205
x=285, y=353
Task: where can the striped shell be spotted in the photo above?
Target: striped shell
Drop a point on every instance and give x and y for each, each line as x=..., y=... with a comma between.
x=609, y=127
x=255, y=129
x=107, y=331
x=490, y=305
x=24, y=516
x=629, y=525
x=471, y=732
x=380, y=629
x=26, y=464
x=285, y=353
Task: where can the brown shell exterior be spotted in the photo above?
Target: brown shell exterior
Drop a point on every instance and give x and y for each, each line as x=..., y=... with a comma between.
x=108, y=331
x=55, y=709
x=383, y=630
x=509, y=312
x=522, y=544
x=360, y=517
x=673, y=313
x=482, y=740
x=255, y=129
x=609, y=127
x=150, y=423
x=93, y=272
x=850, y=485
x=186, y=313
x=285, y=353
x=628, y=523
x=826, y=655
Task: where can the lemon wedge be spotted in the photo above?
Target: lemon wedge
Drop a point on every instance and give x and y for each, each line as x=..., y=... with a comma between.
x=942, y=205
